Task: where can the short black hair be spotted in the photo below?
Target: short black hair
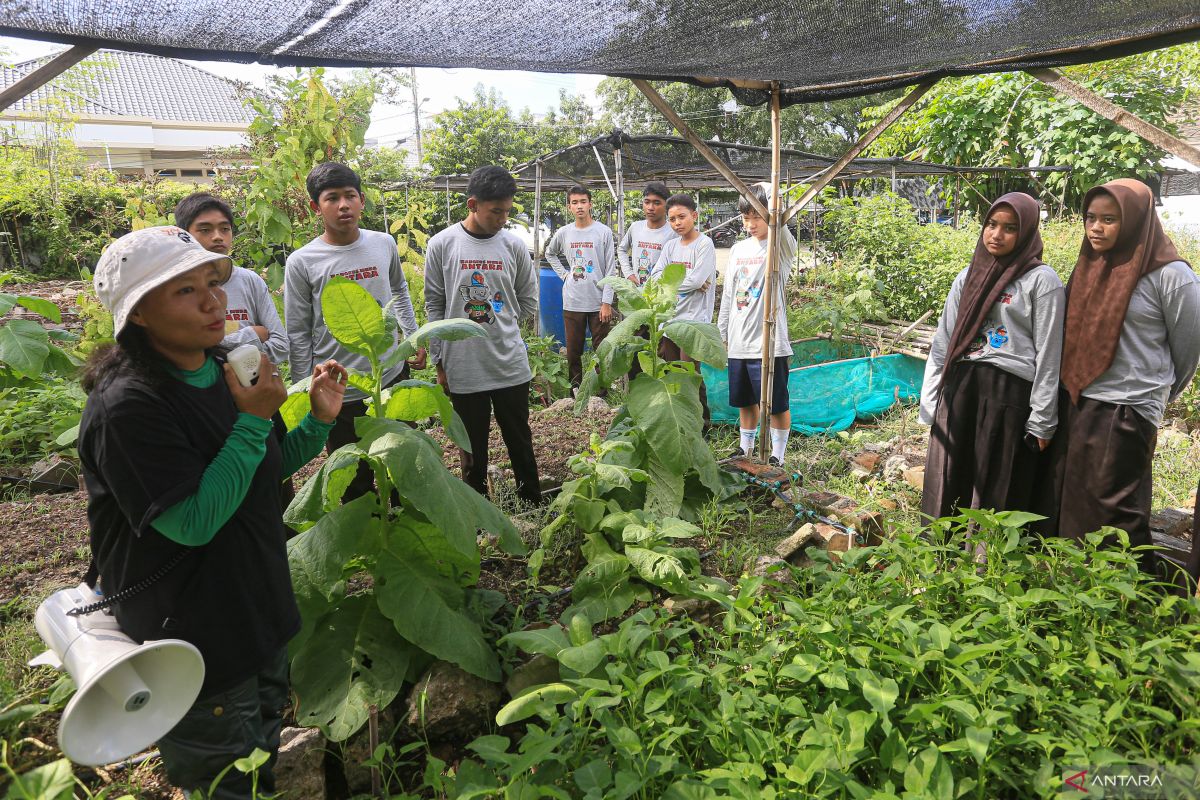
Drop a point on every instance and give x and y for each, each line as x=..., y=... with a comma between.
x=745, y=206
x=196, y=204
x=577, y=190
x=685, y=200
x=491, y=183
x=656, y=188
x=330, y=175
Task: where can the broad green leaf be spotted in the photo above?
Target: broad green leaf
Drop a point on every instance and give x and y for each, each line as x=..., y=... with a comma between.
x=68, y=437
x=626, y=331
x=595, y=776
x=588, y=388
x=602, y=589
x=978, y=740
x=661, y=569
x=40, y=306
x=672, y=276
x=354, y=317
x=352, y=660
x=24, y=345
x=583, y=658
x=428, y=609
x=629, y=296
x=413, y=401
x=324, y=490
x=297, y=404
x=17, y=715
x=700, y=340
x=256, y=759
x=449, y=330
x=664, y=487
x=546, y=641
x=323, y=550
x=7, y=302
x=543, y=699
x=880, y=693
x=437, y=551
x=53, y=781
x=668, y=412
x=414, y=463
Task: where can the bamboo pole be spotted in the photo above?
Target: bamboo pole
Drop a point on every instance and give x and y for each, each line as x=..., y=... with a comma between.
x=769, y=310
x=1111, y=111
x=45, y=73
x=619, y=169
x=537, y=238
x=703, y=149
x=904, y=105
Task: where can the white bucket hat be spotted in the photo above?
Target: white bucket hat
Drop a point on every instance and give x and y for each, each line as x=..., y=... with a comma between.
x=144, y=259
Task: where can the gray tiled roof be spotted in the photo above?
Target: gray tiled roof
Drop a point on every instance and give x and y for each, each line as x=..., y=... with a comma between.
x=120, y=83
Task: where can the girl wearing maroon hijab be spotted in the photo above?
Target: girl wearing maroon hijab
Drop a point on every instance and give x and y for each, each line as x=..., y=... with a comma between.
x=1131, y=344
x=991, y=382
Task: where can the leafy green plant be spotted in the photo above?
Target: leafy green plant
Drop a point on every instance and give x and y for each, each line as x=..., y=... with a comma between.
x=26, y=348
x=386, y=582
x=40, y=419
x=662, y=419
x=907, y=670
x=551, y=379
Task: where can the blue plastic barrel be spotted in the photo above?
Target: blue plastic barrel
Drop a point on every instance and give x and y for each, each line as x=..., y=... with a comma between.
x=550, y=306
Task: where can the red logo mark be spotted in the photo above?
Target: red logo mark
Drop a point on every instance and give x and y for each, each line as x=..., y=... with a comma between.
x=1078, y=776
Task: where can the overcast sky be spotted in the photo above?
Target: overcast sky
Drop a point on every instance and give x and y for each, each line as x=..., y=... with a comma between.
x=534, y=90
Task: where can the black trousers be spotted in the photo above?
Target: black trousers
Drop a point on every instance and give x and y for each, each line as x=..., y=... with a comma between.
x=978, y=457
x=343, y=434
x=222, y=727
x=574, y=325
x=511, y=408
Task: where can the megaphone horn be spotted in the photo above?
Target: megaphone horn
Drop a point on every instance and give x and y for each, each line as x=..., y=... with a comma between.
x=128, y=695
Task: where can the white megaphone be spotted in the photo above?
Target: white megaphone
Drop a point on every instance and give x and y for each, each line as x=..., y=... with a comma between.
x=127, y=695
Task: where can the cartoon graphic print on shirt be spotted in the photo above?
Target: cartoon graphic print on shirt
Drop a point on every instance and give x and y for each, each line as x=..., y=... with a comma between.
x=498, y=303
x=993, y=335
x=742, y=296
x=643, y=265
x=577, y=266
x=479, y=302
x=997, y=336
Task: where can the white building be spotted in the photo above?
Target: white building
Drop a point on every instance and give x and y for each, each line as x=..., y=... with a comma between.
x=136, y=114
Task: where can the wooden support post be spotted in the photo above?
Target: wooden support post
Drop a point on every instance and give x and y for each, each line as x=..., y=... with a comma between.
x=720, y=166
x=769, y=310
x=45, y=73
x=1111, y=111
x=904, y=105
x=537, y=236
x=619, y=168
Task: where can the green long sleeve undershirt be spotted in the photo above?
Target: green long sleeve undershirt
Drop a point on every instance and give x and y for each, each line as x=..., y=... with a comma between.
x=195, y=520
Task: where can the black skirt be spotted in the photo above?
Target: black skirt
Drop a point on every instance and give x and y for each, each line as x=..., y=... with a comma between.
x=1099, y=472
x=978, y=454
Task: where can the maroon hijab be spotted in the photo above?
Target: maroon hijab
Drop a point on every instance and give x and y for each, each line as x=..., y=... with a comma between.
x=987, y=276
x=1100, y=286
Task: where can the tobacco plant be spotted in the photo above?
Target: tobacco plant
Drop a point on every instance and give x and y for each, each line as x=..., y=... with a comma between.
x=386, y=582
x=907, y=670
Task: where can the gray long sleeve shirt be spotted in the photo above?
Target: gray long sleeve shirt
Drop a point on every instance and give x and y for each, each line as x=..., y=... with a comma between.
x=699, y=259
x=374, y=264
x=491, y=281
x=249, y=303
x=582, y=257
x=1021, y=335
x=740, y=319
x=1159, y=347
x=640, y=246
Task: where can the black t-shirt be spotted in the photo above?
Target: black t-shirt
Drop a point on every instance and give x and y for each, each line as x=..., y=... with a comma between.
x=143, y=450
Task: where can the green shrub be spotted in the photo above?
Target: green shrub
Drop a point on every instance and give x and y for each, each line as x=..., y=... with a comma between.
x=33, y=417
x=909, y=670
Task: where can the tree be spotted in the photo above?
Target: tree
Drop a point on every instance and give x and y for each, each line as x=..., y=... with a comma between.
x=1011, y=119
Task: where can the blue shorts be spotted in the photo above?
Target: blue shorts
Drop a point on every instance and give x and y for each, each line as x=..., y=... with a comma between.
x=745, y=383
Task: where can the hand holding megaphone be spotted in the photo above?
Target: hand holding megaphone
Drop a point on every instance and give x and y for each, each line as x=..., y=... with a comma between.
x=257, y=389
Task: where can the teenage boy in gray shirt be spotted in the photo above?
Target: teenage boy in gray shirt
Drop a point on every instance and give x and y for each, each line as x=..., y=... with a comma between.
x=478, y=271
x=582, y=255
x=370, y=259
x=250, y=313
x=643, y=240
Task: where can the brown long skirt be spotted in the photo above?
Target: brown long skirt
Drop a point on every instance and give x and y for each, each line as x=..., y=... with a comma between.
x=978, y=456
x=1099, y=472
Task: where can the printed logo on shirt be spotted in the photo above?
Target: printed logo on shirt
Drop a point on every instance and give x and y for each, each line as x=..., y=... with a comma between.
x=992, y=334
x=481, y=304
x=477, y=265
x=237, y=314
x=744, y=296
x=644, y=261
x=362, y=274
x=577, y=267
x=1005, y=297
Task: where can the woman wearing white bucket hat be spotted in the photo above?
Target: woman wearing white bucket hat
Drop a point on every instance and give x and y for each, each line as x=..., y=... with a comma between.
x=183, y=468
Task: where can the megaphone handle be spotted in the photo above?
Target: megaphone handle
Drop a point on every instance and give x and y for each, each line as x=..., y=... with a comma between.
x=135, y=588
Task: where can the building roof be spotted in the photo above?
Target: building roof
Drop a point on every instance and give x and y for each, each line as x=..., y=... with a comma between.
x=124, y=84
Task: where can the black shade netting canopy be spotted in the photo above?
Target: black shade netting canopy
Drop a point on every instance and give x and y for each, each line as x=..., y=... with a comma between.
x=675, y=162
x=816, y=49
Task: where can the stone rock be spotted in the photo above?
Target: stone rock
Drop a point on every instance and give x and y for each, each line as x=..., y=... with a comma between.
x=1172, y=438
x=455, y=704
x=597, y=405
x=1179, y=424
x=772, y=568
x=915, y=477
x=876, y=447
x=893, y=468
x=55, y=469
x=793, y=546
x=495, y=475
x=300, y=770
x=863, y=465
x=561, y=406
x=536, y=671
x=694, y=608
x=886, y=504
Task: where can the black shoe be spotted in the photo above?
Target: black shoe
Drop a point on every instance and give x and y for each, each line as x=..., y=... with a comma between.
x=772, y=461
x=737, y=453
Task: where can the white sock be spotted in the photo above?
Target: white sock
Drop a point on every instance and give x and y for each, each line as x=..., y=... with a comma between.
x=779, y=439
x=749, y=435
